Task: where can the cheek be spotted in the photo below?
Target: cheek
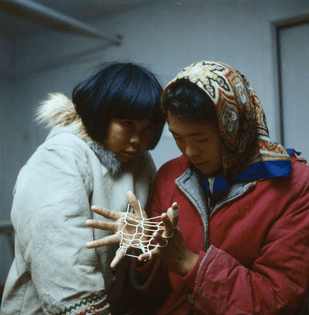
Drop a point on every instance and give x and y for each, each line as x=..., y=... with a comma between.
x=180, y=145
x=146, y=140
x=115, y=138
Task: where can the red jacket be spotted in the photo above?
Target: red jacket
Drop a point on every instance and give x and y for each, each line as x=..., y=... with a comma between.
x=258, y=258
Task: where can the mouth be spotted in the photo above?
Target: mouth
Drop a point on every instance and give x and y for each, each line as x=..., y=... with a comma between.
x=130, y=153
x=126, y=156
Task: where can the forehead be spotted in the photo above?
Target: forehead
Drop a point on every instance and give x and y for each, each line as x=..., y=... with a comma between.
x=184, y=128
x=144, y=121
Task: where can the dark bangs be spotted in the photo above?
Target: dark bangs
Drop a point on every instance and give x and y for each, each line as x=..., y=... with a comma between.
x=119, y=90
x=139, y=97
x=185, y=100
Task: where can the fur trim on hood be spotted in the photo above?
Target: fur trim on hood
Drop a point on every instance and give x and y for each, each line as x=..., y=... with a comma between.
x=58, y=111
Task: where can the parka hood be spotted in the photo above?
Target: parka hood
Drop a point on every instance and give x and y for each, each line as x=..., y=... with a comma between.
x=58, y=112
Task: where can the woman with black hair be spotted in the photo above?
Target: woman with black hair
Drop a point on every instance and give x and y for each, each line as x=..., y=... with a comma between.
x=96, y=151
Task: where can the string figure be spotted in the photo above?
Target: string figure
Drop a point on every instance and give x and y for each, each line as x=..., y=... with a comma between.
x=142, y=237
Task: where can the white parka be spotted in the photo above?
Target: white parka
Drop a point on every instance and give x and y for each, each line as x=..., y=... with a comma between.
x=53, y=272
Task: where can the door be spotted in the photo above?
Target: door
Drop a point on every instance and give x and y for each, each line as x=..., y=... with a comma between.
x=294, y=69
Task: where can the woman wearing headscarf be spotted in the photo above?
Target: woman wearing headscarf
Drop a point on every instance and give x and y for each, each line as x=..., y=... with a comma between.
x=239, y=244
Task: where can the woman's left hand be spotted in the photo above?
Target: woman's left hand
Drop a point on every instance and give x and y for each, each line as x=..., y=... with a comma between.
x=172, y=251
x=117, y=225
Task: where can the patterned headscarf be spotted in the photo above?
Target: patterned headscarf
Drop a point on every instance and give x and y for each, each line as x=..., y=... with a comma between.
x=247, y=150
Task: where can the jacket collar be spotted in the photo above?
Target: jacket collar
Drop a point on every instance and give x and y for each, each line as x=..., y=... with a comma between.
x=191, y=185
x=58, y=114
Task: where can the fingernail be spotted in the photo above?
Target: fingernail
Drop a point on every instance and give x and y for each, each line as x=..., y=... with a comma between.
x=129, y=193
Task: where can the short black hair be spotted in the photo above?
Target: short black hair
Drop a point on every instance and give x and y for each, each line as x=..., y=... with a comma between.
x=119, y=90
x=185, y=100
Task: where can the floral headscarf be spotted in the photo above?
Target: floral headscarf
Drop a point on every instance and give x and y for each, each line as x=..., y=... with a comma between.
x=241, y=121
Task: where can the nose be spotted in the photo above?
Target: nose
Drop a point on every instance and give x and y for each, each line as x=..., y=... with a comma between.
x=135, y=139
x=192, y=152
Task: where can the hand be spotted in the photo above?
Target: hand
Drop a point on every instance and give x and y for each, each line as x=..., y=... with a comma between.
x=172, y=249
x=129, y=229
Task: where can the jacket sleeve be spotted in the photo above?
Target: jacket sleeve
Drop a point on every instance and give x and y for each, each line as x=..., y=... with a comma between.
x=51, y=204
x=278, y=280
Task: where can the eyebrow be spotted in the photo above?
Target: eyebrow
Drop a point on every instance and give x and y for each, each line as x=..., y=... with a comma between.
x=189, y=135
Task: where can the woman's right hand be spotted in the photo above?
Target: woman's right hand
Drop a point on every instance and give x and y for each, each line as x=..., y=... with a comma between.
x=171, y=248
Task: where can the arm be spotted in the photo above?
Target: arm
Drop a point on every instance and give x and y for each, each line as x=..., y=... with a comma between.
x=277, y=282
x=50, y=206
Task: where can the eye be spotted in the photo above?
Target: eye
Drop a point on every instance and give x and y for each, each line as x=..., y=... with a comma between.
x=128, y=123
x=203, y=140
x=150, y=128
x=176, y=138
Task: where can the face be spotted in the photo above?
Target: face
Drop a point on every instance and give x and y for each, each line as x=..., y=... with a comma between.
x=129, y=138
x=200, y=143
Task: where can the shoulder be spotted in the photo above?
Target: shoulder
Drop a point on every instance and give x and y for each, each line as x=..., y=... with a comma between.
x=177, y=165
x=65, y=137
x=66, y=143
x=62, y=153
x=286, y=189
x=173, y=168
x=299, y=179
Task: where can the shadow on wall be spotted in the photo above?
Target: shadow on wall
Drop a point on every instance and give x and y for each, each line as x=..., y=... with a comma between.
x=7, y=230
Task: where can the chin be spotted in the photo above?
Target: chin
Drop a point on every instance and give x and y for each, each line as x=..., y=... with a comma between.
x=207, y=172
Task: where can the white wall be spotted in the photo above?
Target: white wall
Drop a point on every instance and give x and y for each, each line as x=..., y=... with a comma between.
x=8, y=138
x=164, y=37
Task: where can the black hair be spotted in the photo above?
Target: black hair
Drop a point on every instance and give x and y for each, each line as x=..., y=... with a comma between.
x=119, y=90
x=185, y=100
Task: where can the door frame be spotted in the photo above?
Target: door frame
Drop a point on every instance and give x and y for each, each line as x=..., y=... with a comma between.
x=279, y=26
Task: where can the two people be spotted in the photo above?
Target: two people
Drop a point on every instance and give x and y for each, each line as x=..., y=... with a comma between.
x=240, y=242
x=96, y=151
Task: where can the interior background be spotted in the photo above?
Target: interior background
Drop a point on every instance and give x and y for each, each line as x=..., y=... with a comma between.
x=163, y=35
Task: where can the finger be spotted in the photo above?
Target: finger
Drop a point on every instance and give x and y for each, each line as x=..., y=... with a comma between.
x=173, y=214
x=160, y=239
x=168, y=225
x=102, y=225
x=113, y=215
x=134, y=203
x=146, y=256
x=119, y=255
x=105, y=241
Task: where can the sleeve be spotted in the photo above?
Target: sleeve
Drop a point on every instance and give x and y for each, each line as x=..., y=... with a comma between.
x=278, y=280
x=51, y=204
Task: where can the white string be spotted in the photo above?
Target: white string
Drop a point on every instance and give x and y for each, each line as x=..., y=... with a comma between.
x=142, y=238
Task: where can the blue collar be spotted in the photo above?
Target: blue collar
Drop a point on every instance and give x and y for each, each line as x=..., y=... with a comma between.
x=215, y=186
